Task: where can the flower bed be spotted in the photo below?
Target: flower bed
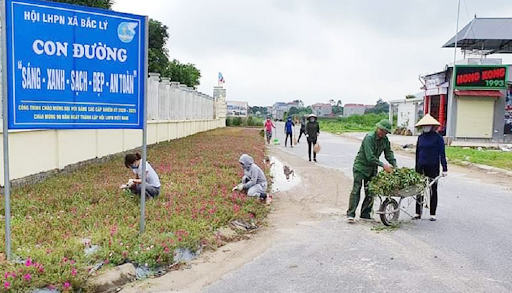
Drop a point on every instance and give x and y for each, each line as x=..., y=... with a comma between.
x=54, y=222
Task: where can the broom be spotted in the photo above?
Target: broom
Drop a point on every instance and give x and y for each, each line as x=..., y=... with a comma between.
x=276, y=141
x=294, y=136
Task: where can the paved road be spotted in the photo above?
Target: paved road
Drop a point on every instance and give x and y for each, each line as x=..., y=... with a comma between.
x=469, y=248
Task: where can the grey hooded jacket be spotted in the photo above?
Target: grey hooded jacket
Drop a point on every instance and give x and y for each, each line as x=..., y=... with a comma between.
x=252, y=173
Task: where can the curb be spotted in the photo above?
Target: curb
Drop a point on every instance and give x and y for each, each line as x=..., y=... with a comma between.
x=488, y=169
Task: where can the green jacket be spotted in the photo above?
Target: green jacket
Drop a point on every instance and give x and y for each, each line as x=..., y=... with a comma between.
x=367, y=159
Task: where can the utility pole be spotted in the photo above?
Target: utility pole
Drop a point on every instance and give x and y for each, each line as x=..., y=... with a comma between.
x=450, y=131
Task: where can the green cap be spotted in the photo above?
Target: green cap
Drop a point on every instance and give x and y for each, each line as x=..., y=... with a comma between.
x=384, y=125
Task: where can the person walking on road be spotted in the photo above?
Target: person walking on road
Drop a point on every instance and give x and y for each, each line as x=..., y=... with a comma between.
x=430, y=155
x=254, y=180
x=268, y=129
x=302, y=128
x=366, y=166
x=312, y=133
x=288, y=130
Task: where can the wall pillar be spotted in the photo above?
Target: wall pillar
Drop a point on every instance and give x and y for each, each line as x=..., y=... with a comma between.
x=442, y=111
x=391, y=114
x=153, y=93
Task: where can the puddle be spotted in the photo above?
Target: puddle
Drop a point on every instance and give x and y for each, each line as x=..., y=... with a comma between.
x=46, y=291
x=181, y=255
x=91, y=250
x=184, y=255
x=283, y=176
x=144, y=272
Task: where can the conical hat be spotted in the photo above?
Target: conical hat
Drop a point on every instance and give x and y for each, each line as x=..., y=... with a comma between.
x=427, y=120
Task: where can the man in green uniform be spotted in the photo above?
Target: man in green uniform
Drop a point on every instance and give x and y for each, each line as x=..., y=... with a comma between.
x=366, y=165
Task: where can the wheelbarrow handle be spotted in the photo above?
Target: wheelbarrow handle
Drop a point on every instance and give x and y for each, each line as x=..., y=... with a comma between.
x=434, y=180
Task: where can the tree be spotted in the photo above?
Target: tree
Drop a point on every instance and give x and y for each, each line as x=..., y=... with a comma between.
x=184, y=73
x=380, y=107
x=105, y=4
x=410, y=97
x=158, y=35
x=293, y=111
x=255, y=109
x=158, y=56
x=337, y=109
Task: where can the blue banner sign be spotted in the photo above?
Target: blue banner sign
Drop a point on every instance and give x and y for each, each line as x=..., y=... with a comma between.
x=72, y=67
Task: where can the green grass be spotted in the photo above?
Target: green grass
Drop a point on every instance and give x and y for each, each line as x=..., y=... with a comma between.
x=355, y=123
x=493, y=158
x=250, y=121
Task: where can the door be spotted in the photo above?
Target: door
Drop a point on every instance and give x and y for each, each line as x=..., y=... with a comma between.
x=475, y=116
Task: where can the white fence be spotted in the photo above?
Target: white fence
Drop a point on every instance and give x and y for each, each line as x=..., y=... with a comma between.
x=172, y=101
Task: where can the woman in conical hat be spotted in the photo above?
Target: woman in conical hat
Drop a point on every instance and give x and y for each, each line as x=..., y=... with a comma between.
x=312, y=132
x=428, y=120
x=430, y=156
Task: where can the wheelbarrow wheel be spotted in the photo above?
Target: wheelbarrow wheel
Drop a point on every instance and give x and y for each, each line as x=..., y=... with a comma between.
x=389, y=212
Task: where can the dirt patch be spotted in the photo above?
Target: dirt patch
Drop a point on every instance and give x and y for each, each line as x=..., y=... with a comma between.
x=321, y=193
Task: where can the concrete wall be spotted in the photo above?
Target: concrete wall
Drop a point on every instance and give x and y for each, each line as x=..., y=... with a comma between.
x=407, y=116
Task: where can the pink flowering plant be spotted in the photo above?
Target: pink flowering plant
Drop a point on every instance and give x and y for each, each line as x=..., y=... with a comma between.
x=55, y=222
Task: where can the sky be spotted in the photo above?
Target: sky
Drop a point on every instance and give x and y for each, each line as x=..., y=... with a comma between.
x=356, y=51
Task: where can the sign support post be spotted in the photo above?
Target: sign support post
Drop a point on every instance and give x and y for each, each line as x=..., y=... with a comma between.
x=144, y=138
x=5, y=121
x=449, y=120
x=92, y=76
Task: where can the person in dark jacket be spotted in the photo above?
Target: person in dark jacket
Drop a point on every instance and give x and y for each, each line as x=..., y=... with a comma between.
x=288, y=130
x=430, y=154
x=312, y=133
x=302, y=128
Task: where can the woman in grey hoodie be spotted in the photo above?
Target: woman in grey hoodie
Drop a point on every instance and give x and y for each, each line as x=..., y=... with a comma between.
x=254, y=180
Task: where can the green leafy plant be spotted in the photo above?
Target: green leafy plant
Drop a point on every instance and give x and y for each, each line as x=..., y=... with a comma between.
x=244, y=122
x=388, y=184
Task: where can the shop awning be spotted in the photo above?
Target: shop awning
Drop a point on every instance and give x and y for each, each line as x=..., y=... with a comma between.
x=476, y=93
x=485, y=35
